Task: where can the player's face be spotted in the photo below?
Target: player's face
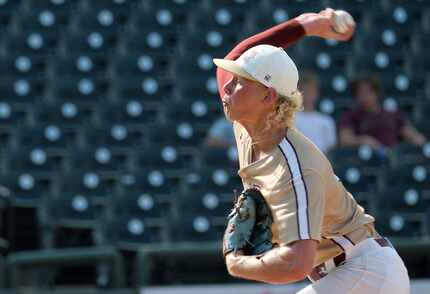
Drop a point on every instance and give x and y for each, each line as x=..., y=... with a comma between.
x=367, y=97
x=243, y=99
x=310, y=93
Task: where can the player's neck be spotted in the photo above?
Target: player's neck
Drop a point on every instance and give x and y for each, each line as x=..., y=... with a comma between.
x=264, y=139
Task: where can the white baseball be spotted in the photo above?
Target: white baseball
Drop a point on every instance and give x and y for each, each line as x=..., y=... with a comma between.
x=342, y=21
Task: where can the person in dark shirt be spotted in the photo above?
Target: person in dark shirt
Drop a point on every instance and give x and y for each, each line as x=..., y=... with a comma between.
x=370, y=124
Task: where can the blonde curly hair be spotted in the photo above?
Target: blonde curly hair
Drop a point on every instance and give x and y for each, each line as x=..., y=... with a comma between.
x=284, y=110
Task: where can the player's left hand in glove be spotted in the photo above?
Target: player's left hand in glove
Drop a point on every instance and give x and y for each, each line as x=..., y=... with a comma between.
x=249, y=225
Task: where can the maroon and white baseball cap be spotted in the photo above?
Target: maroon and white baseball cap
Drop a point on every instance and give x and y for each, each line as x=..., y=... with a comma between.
x=265, y=64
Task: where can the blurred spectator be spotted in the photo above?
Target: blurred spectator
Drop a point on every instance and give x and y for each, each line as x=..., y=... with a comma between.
x=220, y=134
x=369, y=123
x=318, y=127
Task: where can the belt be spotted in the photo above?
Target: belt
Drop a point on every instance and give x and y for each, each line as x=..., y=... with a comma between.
x=321, y=270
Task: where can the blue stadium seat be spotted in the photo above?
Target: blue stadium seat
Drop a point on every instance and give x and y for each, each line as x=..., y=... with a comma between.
x=26, y=189
x=406, y=175
x=22, y=90
x=49, y=137
x=150, y=180
x=216, y=180
x=65, y=114
x=13, y=114
x=147, y=89
x=88, y=183
x=90, y=43
x=196, y=228
x=401, y=225
x=165, y=157
x=132, y=112
x=14, y=65
x=34, y=160
x=116, y=136
x=181, y=134
x=130, y=232
x=149, y=41
x=104, y=20
x=407, y=153
x=217, y=157
x=144, y=65
x=57, y=6
x=102, y=159
x=142, y=203
x=31, y=43
x=73, y=66
x=403, y=199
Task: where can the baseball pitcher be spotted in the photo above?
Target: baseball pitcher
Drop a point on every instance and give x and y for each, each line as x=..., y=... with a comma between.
x=294, y=218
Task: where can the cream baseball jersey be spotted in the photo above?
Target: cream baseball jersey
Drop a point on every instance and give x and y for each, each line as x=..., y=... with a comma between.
x=307, y=200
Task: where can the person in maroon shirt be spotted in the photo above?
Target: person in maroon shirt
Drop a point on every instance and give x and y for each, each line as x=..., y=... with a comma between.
x=370, y=124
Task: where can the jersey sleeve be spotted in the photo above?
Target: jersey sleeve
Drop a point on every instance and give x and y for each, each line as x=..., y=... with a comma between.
x=298, y=207
x=282, y=35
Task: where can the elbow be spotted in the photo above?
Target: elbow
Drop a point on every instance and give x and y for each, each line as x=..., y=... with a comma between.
x=231, y=267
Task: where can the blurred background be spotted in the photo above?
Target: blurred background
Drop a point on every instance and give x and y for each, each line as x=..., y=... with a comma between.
x=117, y=168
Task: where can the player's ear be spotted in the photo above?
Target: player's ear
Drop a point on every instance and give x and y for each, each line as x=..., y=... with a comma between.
x=271, y=96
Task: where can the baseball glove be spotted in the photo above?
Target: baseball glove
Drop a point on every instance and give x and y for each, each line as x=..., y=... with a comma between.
x=249, y=225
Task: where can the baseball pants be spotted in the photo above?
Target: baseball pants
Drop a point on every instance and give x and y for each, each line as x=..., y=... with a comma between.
x=368, y=268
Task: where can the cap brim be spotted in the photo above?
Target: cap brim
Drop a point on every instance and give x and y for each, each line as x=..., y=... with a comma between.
x=233, y=67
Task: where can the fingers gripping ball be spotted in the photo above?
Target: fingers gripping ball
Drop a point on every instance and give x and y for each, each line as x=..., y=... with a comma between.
x=249, y=225
x=342, y=21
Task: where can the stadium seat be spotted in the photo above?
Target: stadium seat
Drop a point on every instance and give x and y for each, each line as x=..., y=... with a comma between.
x=200, y=114
x=87, y=183
x=407, y=153
x=141, y=65
x=217, y=157
x=221, y=180
x=205, y=202
x=152, y=19
x=31, y=43
x=201, y=65
x=86, y=92
x=115, y=136
x=90, y=43
x=65, y=114
x=21, y=90
x=149, y=41
x=378, y=62
x=362, y=156
x=401, y=225
x=406, y=175
x=130, y=232
x=12, y=115
x=132, y=112
x=217, y=42
x=149, y=90
x=197, y=228
x=152, y=181
x=26, y=189
x=123, y=6
x=73, y=66
x=34, y=159
x=72, y=210
x=38, y=5
x=141, y=203
x=7, y=8
x=49, y=137
x=179, y=134
x=104, y=20
x=15, y=65
x=43, y=21
x=403, y=199
x=100, y=158
x=165, y=157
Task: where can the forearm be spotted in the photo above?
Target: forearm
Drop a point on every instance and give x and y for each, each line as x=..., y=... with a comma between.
x=277, y=266
x=282, y=35
x=413, y=136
